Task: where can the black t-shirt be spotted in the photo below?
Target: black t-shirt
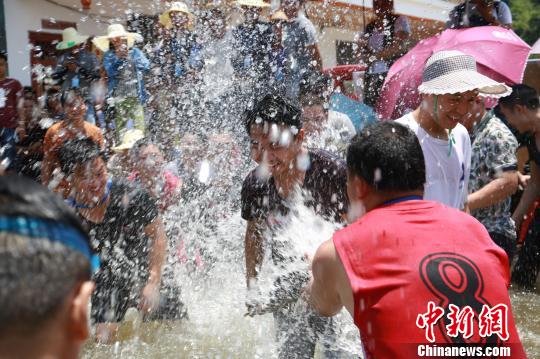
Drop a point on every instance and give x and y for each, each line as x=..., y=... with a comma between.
x=120, y=239
x=325, y=187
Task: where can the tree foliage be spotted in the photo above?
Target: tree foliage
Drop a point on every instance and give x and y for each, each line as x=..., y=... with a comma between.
x=526, y=19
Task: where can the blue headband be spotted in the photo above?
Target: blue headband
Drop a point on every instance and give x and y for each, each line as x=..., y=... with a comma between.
x=53, y=231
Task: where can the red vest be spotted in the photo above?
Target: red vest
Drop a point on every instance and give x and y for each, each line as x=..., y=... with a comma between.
x=402, y=256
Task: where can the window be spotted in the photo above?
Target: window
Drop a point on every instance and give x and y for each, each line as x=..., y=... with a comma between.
x=346, y=53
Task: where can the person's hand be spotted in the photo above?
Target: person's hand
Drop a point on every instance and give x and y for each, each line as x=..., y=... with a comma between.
x=21, y=132
x=523, y=180
x=254, y=308
x=149, y=298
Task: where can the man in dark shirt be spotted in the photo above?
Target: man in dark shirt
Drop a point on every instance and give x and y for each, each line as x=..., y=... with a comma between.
x=268, y=194
x=126, y=231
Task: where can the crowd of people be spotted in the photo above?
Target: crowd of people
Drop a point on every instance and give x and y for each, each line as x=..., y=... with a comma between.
x=436, y=207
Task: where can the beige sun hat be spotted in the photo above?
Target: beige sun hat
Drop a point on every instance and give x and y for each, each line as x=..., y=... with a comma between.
x=129, y=138
x=113, y=31
x=253, y=3
x=450, y=72
x=177, y=6
x=70, y=38
x=279, y=16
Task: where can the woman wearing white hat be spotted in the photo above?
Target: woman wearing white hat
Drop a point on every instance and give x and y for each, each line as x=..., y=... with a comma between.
x=125, y=66
x=77, y=67
x=449, y=89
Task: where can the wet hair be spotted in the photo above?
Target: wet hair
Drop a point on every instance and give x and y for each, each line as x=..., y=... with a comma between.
x=388, y=156
x=71, y=95
x=78, y=152
x=36, y=273
x=274, y=109
x=3, y=55
x=521, y=95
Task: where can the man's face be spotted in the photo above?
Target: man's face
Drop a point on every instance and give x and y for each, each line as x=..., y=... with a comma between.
x=291, y=8
x=450, y=109
x=90, y=181
x=150, y=160
x=3, y=67
x=120, y=43
x=28, y=106
x=256, y=137
x=74, y=108
x=478, y=111
x=281, y=147
x=179, y=19
x=519, y=117
x=314, y=118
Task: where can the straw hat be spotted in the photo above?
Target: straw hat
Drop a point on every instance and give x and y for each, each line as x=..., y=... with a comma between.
x=450, y=72
x=113, y=31
x=253, y=3
x=128, y=140
x=70, y=38
x=178, y=6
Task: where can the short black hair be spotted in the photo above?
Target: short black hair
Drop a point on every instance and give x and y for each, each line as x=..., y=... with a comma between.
x=276, y=109
x=78, y=152
x=521, y=95
x=3, y=55
x=71, y=95
x=36, y=274
x=388, y=156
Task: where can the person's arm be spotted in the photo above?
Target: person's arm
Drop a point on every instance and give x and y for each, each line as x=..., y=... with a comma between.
x=47, y=164
x=531, y=193
x=141, y=61
x=253, y=249
x=111, y=64
x=494, y=192
x=156, y=234
x=322, y=293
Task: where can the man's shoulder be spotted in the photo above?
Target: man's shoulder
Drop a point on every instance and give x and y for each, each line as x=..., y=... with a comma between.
x=498, y=130
x=256, y=181
x=408, y=120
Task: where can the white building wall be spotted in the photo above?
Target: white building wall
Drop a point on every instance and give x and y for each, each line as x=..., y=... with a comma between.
x=328, y=38
x=25, y=15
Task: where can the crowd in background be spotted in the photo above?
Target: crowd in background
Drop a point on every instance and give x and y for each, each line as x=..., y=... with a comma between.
x=126, y=130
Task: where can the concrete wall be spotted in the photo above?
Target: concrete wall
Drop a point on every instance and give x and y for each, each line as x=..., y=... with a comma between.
x=25, y=15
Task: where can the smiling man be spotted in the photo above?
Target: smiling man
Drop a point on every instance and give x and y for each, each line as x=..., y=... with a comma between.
x=450, y=86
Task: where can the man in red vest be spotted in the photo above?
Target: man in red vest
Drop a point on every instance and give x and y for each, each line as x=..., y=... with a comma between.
x=419, y=278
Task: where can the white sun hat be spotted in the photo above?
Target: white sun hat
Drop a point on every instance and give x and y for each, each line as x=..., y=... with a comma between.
x=177, y=6
x=450, y=72
x=253, y=3
x=70, y=38
x=113, y=31
x=129, y=138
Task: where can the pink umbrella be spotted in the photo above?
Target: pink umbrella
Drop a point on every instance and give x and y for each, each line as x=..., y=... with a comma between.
x=500, y=54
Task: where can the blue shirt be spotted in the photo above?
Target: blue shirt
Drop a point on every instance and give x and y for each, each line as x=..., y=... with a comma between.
x=112, y=63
